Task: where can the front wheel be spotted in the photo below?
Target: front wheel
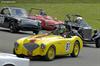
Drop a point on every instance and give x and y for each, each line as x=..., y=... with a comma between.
x=76, y=49
x=36, y=31
x=50, y=55
x=97, y=43
x=13, y=29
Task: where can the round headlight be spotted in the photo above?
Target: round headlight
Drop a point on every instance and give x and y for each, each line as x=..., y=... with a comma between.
x=43, y=46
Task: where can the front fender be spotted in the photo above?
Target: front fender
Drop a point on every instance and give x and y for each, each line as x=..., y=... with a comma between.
x=44, y=51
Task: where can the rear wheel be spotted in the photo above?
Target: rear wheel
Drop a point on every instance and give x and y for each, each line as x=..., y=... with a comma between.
x=97, y=43
x=50, y=55
x=76, y=49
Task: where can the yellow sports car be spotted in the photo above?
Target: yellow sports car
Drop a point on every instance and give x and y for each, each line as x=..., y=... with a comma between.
x=48, y=46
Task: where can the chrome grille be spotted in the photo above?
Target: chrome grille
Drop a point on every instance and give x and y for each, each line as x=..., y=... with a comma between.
x=31, y=46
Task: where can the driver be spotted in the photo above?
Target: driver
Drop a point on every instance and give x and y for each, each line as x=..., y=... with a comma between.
x=42, y=12
x=64, y=32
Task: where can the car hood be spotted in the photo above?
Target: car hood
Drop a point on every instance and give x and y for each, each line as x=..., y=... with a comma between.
x=39, y=39
x=53, y=22
x=7, y=54
x=6, y=57
x=47, y=19
x=26, y=20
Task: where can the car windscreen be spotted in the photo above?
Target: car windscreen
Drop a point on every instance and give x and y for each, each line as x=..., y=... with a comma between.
x=60, y=28
x=82, y=23
x=18, y=12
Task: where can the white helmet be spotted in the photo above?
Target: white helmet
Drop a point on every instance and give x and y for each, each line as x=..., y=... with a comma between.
x=79, y=18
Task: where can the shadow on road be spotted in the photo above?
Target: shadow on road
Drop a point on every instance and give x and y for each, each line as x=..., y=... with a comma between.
x=56, y=58
x=90, y=46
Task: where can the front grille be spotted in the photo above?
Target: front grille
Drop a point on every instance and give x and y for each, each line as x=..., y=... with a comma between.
x=31, y=46
x=87, y=34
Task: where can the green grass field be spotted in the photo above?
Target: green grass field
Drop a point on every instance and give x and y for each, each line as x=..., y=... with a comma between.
x=56, y=1
x=90, y=11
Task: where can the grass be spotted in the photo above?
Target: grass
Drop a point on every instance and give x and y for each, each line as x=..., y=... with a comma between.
x=90, y=12
x=56, y=1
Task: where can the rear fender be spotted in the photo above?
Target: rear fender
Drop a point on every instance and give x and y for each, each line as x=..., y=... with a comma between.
x=76, y=38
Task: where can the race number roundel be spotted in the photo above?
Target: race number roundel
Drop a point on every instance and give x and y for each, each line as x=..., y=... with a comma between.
x=67, y=46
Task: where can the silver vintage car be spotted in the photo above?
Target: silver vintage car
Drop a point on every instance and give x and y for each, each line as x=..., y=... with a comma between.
x=16, y=19
x=7, y=59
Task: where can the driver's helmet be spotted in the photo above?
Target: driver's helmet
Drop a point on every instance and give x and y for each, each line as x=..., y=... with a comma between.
x=79, y=18
x=42, y=12
x=59, y=30
x=62, y=30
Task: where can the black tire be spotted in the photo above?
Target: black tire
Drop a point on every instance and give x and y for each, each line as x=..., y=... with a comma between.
x=9, y=65
x=46, y=57
x=36, y=31
x=13, y=29
x=73, y=54
x=97, y=43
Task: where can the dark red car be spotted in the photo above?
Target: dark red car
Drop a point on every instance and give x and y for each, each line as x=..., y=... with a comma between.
x=47, y=22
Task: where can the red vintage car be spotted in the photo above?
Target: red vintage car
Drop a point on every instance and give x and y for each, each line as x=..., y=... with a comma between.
x=47, y=22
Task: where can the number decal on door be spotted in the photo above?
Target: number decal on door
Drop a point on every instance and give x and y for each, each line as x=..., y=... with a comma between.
x=67, y=46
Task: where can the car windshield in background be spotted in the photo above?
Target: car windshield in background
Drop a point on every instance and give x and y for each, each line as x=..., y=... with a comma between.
x=83, y=24
x=61, y=26
x=18, y=12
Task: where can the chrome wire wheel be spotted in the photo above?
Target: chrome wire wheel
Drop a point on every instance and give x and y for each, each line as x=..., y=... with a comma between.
x=50, y=55
x=76, y=49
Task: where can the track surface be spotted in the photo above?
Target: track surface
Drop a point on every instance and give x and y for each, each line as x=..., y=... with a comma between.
x=89, y=55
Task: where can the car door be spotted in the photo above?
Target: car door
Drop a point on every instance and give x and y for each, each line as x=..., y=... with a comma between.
x=64, y=46
x=1, y=19
x=5, y=14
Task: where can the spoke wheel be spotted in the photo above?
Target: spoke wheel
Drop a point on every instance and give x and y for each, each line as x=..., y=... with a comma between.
x=13, y=29
x=50, y=55
x=76, y=49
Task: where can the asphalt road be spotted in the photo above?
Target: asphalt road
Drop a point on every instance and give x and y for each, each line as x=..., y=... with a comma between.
x=89, y=55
